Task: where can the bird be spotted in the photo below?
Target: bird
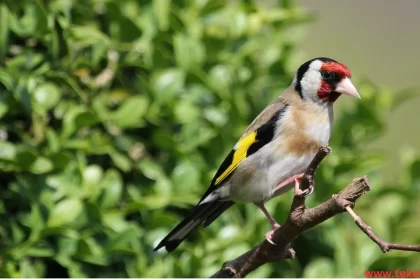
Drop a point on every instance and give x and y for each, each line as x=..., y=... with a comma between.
x=273, y=153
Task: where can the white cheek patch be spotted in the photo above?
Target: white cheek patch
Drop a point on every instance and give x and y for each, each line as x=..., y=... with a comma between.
x=311, y=81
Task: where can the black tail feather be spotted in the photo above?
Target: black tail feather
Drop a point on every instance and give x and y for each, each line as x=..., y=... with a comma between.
x=222, y=207
x=198, y=215
x=207, y=212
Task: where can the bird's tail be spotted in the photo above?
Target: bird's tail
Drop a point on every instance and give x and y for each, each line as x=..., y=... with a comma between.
x=185, y=227
x=221, y=207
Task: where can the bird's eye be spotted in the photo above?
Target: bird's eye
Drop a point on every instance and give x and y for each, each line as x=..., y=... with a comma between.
x=326, y=74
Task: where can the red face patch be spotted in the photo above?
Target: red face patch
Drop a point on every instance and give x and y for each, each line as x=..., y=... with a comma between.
x=339, y=69
x=326, y=91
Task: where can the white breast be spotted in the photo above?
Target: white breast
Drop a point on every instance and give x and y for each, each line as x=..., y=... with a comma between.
x=274, y=163
x=321, y=129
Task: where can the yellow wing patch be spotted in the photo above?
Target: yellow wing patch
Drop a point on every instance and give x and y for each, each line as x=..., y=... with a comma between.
x=239, y=155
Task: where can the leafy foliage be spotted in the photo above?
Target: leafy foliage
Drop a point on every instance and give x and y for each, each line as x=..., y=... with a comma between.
x=115, y=116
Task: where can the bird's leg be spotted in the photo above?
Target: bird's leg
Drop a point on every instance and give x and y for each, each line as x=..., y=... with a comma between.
x=296, y=178
x=274, y=224
x=289, y=181
x=270, y=218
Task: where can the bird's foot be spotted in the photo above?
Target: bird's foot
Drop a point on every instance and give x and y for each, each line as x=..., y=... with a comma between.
x=298, y=192
x=309, y=190
x=269, y=234
x=305, y=193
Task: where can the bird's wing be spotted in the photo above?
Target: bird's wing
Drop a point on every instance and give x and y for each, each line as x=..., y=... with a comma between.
x=257, y=135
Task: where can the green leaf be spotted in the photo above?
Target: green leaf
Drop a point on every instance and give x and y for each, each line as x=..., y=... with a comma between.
x=120, y=160
x=4, y=30
x=60, y=160
x=122, y=27
x=76, y=271
x=47, y=95
x=85, y=119
x=90, y=251
x=115, y=221
x=67, y=246
x=151, y=169
x=65, y=212
x=162, y=9
x=34, y=21
x=92, y=175
x=122, y=240
x=113, y=187
x=41, y=165
x=131, y=112
x=6, y=79
x=35, y=219
x=167, y=83
x=17, y=233
x=186, y=177
x=3, y=109
x=7, y=150
x=88, y=35
x=40, y=252
x=148, y=203
x=319, y=268
x=182, y=50
x=76, y=118
x=28, y=270
x=216, y=116
x=186, y=112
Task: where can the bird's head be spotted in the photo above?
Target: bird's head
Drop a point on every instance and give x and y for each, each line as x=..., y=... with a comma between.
x=323, y=80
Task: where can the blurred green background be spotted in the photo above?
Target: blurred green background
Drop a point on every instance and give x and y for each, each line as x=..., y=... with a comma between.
x=114, y=117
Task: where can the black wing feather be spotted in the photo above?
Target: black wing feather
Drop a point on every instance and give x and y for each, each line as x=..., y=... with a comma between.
x=265, y=134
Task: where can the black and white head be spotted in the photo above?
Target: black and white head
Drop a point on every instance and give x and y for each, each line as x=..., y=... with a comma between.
x=323, y=80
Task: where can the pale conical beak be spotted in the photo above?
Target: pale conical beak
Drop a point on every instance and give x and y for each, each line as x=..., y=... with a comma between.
x=346, y=87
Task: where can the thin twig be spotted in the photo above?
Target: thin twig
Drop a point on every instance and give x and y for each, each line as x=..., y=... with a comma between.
x=384, y=245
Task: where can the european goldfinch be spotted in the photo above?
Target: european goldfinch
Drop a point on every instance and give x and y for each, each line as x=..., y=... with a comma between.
x=275, y=149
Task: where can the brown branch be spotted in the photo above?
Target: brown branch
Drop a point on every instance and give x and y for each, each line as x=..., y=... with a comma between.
x=300, y=219
x=384, y=245
x=309, y=175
